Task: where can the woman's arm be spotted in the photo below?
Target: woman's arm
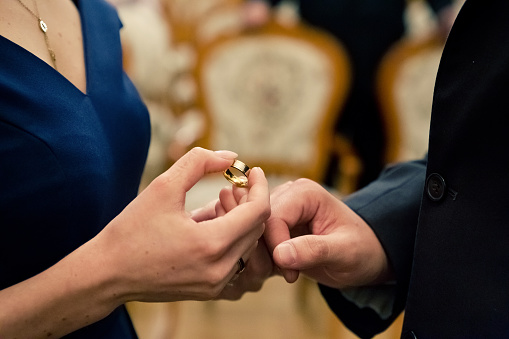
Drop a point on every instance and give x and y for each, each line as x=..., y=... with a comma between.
x=152, y=251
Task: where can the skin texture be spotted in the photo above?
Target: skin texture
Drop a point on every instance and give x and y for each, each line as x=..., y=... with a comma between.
x=64, y=34
x=259, y=265
x=310, y=231
x=153, y=251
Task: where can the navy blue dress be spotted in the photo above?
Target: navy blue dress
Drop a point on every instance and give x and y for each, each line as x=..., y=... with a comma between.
x=69, y=161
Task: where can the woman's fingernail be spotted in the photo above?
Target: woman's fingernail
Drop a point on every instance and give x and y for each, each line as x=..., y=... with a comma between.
x=258, y=169
x=226, y=154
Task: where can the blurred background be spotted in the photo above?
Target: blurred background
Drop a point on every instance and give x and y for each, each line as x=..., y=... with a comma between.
x=331, y=90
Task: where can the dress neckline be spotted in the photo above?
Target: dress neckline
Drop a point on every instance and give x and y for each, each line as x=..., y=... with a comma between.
x=42, y=63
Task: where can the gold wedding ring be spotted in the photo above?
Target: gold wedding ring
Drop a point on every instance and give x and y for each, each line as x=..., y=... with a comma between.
x=240, y=180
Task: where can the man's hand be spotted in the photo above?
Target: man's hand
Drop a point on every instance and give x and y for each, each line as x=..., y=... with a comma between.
x=312, y=232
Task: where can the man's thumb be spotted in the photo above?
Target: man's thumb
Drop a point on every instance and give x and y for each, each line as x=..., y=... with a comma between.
x=302, y=253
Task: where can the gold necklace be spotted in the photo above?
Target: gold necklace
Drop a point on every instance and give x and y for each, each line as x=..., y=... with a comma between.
x=44, y=29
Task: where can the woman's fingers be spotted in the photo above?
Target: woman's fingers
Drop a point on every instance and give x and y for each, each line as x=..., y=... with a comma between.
x=226, y=203
x=251, y=214
x=207, y=212
x=191, y=167
x=242, y=226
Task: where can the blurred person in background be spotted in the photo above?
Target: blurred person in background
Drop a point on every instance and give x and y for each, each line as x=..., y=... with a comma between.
x=367, y=29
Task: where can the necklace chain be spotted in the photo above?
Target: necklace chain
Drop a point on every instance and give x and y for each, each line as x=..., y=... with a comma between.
x=44, y=28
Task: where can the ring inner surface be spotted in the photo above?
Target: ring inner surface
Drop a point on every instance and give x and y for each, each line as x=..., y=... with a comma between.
x=240, y=179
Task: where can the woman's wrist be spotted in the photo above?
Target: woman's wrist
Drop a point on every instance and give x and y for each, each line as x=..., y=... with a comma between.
x=103, y=271
x=77, y=291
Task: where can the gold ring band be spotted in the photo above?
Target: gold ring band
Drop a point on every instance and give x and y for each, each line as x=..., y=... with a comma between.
x=240, y=181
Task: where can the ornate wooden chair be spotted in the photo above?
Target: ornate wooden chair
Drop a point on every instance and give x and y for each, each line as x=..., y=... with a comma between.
x=405, y=85
x=272, y=95
x=185, y=16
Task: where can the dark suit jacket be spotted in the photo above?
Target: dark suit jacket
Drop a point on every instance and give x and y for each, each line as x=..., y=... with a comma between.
x=444, y=222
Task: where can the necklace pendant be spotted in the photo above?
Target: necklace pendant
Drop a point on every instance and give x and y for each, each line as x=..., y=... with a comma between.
x=43, y=26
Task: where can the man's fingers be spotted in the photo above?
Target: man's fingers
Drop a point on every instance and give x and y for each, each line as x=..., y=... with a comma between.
x=206, y=212
x=276, y=232
x=304, y=252
x=292, y=207
x=227, y=201
x=240, y=194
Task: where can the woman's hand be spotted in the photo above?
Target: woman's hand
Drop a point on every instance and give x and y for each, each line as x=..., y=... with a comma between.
x=259, y=265
x=152, y=251
x=160, y=253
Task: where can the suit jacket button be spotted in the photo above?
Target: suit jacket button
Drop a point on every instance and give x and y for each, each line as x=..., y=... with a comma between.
x=409, y=335
x=435, y=187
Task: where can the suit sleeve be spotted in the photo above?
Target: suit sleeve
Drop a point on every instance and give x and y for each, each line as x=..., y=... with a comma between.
x=390, y=205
